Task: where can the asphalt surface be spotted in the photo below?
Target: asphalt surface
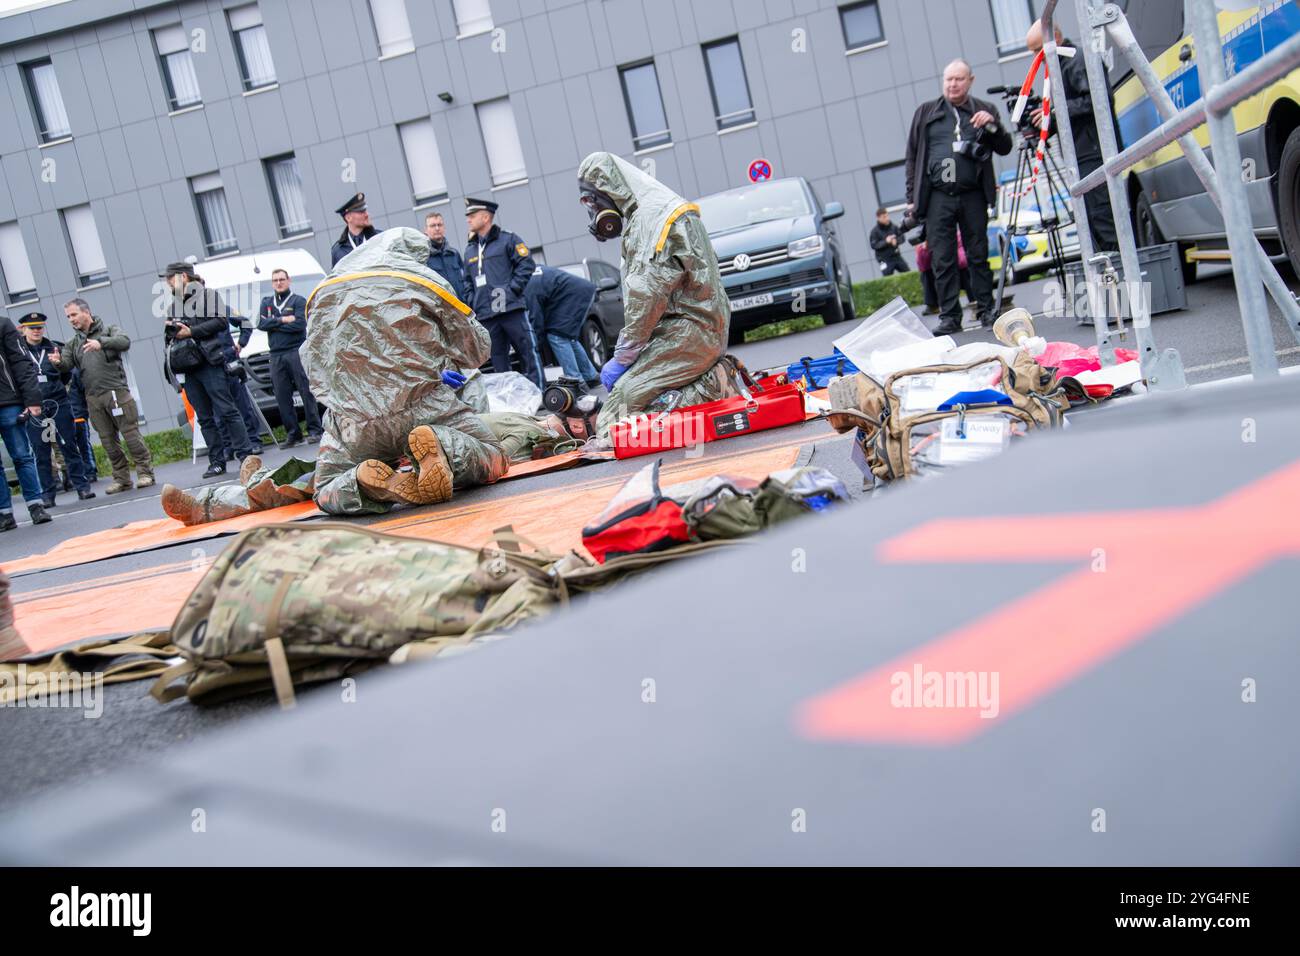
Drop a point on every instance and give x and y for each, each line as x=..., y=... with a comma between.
x=55, y=748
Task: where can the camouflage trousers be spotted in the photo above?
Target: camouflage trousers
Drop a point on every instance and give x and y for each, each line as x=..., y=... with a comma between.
x=265, y=488
x=473, y=452
x=645, y=381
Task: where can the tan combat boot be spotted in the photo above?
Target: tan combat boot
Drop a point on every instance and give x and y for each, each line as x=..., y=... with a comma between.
x=180, y=505
x=381, y=483
x=250, y=464
x=434, y=481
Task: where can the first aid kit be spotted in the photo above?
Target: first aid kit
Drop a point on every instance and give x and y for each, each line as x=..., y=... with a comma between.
x=768, y=402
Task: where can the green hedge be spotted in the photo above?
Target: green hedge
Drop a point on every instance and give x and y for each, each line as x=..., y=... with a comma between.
x=165, y=447
x=871, y=295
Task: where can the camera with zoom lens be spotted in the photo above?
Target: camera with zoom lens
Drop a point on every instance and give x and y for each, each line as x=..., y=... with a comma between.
x=980, y=148
x=1010, y=95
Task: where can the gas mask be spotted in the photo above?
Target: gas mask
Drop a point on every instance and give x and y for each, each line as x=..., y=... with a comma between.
x=606, y=220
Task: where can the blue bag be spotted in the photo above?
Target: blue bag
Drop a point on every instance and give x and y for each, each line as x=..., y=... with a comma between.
x=817, y=373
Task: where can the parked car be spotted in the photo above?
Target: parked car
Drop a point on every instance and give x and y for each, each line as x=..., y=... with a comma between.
x=775, y=247
x=242, y=281
x=605, y=320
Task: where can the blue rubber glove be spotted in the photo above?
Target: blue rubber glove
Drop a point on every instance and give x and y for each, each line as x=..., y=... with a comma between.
x=611, y=373
x=454, y=379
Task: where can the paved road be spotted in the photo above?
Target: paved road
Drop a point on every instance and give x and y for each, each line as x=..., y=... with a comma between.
x=53, y=748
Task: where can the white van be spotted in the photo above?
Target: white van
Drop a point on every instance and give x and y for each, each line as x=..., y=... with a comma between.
x=242, y=282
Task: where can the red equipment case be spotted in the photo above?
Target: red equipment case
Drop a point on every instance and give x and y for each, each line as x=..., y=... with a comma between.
x=769, y=403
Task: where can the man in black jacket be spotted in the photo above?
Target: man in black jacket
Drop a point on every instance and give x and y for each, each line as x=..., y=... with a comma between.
x=1087, y=144
x=887, y=242
x=283, y=317
x=357, y=230
x=498, y=266
x=559, y=303
x=197, y=313
x=444, y=258
x=950, y=184
x=20, y=396
x=54, y=424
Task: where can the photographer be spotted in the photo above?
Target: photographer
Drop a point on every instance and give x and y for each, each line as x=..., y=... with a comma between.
x=1087, y=145
x=950, y=184
x=886, y=241
x=195, y=337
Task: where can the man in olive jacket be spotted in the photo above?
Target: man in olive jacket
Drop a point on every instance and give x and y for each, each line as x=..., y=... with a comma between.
x=96, y=350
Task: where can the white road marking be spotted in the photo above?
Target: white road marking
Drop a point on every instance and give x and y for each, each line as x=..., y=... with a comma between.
x=1244, y=360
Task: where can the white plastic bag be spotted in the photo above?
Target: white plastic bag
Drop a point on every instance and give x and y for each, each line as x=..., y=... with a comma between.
x=512, y=392
x=892, y=326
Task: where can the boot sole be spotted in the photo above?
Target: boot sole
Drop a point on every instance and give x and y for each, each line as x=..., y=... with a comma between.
x=434, y=481
x=382, y=483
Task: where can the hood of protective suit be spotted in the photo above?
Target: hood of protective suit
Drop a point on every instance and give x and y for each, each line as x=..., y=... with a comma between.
x=675, y=307
x=383, y=325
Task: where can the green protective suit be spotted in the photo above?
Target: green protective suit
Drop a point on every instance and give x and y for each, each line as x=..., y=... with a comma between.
x=381, y=328
x=676, y=309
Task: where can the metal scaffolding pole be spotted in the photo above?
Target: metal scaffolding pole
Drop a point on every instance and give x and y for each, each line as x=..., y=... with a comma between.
x=1162, y=370
x=1232, y=191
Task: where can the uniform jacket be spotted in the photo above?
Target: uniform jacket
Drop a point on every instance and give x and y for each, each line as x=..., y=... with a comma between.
x=18, y=385
x=54, y=388
x=503, y=258
x=283, y=336
x=558, y=301
x=344, y=245
x=447, y=262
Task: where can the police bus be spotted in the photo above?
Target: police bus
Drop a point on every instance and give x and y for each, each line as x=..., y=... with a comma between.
x=1169, y=203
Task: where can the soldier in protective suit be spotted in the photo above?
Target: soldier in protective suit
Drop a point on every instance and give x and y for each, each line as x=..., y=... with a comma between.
x=385, y=340
x=676, y=309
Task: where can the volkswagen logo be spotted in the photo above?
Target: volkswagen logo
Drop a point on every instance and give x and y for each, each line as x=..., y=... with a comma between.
x=740, y=263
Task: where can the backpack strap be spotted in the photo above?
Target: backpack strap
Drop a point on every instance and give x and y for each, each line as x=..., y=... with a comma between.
x=275, y=655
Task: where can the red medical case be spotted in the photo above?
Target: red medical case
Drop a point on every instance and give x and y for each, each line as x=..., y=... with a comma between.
x=771, y=402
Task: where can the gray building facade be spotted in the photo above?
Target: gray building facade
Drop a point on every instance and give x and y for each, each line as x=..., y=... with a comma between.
x=214, y=127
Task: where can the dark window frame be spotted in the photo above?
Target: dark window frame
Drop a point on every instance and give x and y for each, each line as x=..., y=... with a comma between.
x=849, y=46
x=244, y=77
x=34, y=101
x=282, y=225
x=713, y=90
x=205, y=228
x=168, y=86
x=1013, y=46
x=667, y=132
x=875, y=182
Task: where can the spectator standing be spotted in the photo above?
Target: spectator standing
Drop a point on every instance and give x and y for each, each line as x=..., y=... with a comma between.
x=559, y=302
x=20, y=396
x=283, y=317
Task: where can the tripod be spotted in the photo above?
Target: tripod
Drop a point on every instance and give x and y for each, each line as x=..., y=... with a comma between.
x=1053, y=221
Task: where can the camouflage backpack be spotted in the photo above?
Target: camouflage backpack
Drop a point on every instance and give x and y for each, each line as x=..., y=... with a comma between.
x=909, y=426
x=301, y=603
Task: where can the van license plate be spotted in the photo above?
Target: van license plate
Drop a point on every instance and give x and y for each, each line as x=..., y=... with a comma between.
x=751, y=301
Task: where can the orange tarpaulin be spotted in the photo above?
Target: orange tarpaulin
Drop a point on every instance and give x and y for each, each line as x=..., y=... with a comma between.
x=553, y=519
x=144, y=535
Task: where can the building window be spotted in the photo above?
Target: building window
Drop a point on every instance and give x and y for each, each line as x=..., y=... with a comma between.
x=47, y=101
x=214, y=214
x=87, y=252
x=501, y=138
x=177, y=67
x=728, y=84
x=15, y=267
x=645, y=105
x=286, y=190
x=423, y=161
x=472, y=16
x=392, y=28
x=891, y=184
x=255, y=65
x=861, y=23
x=1011, y=21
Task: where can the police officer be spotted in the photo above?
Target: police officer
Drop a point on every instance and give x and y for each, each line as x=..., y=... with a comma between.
x=283, y=317
x=56, y=405
x=444, y=258
x=357, y=230
x=81, y=423
x=497, y=268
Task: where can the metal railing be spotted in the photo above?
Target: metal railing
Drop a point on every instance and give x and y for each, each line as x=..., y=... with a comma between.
x=1252, y=267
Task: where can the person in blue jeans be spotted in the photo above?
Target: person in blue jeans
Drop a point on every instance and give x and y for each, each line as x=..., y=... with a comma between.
x=20, y=397
x=81, y=422
x=558, y=303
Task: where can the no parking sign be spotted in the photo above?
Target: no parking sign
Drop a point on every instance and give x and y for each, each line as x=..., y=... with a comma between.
x=759, y=170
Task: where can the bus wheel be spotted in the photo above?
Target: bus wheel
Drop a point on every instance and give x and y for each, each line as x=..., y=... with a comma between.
x=1288, y=198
